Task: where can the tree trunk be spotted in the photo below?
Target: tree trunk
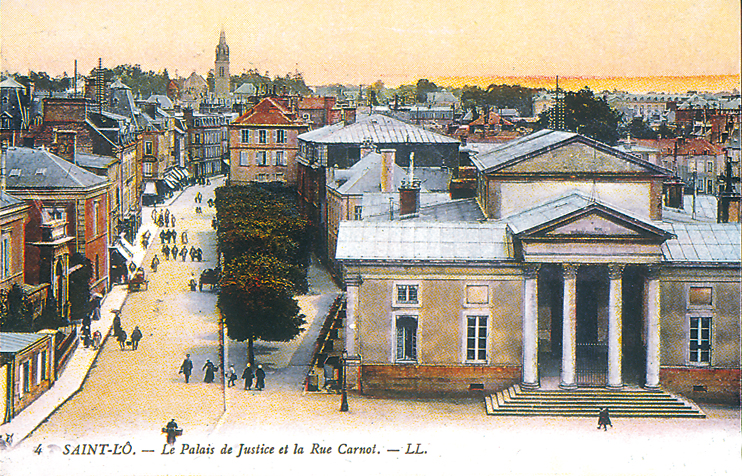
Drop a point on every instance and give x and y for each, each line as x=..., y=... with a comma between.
x=250, y=353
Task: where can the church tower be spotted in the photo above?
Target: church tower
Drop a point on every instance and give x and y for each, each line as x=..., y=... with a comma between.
x=221, y=68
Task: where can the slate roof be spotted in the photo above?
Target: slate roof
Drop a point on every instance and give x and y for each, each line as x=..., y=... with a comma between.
x=434, y=207
x=10, y=83
x=543, y=141
x=42, y=169
x=365, y=176
x=717, y=243
x=162, y=101
x=7, y=201
x=13, y=342
x=412, y=241
x=378, y=129
x=246, y=88
x=94, y=161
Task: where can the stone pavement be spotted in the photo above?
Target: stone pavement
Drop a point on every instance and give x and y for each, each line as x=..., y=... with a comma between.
x=73, y=375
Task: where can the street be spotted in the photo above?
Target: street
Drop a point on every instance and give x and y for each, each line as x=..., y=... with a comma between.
x=130, y=395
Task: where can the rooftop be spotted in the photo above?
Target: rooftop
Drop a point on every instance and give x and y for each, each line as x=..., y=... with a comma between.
x=378, y=129
x=38, y=168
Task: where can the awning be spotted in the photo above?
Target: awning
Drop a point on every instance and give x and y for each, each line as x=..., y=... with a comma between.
x=129, y=253
x=171, y=182
x=150, y=188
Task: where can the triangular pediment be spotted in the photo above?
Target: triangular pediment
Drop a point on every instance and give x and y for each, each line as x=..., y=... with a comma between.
x=594, y=222
x=592, y=225
x=576, y=158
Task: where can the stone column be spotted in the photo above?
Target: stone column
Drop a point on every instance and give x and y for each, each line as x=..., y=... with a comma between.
x=652, y=306
x=530, y=327
x=351, y=313
x=615, y=307
x=569, y=327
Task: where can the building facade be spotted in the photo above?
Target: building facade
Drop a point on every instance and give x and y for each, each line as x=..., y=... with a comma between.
x=584, y=283
x=263, y=144
x=206, y=143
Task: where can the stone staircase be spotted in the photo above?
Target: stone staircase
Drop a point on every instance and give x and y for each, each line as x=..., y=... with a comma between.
x=627, y=403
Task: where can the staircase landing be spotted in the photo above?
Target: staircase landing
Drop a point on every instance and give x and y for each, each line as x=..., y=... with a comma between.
x=626, y=403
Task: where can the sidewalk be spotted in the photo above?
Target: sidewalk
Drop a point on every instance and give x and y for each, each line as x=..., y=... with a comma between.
x=72, y=376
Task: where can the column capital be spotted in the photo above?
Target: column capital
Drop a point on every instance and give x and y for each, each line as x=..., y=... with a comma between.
x=653, y=271
x=569, y=270
x=530, y=271
x=615, y=271
x=353, y=280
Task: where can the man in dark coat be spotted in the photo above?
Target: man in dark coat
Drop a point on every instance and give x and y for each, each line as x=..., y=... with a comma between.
x=604, y=419
x=186, y=367
x=136, y=336
x=260, y=378
x=248, y=376
x=166, y=251
x=121, y=337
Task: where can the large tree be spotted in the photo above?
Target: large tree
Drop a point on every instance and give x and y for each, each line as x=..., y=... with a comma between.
x=256, y=301
x=587, y=115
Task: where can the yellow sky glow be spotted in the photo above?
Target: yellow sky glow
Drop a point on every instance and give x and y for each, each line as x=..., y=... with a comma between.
x=353, y=41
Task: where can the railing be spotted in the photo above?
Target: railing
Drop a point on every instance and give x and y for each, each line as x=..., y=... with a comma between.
x=591, y=365
x=325, y=345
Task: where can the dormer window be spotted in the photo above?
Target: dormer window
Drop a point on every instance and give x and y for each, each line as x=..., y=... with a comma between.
x=15, y=173
x=41, y=171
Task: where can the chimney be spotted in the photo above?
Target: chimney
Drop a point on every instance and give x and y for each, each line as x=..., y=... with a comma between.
x=367, y=146
x=387, y=169
x=66, y=145
x=409, y=193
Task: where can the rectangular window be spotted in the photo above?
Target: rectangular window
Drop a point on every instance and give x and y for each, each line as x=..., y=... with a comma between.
x=261, y=158
x=148, y=147
x=26, y=376
x=43, y=365
x=244, y=158
x=245, y=136
x=477, y=294
x=281, y=136
x=281, y=158
x=262, y=137
x=358, y=212
x=147, y=166
x=406, y=338
x=96, y=211
x=700, y=340
x=700, y=296
x=407, y=293
x=37, y=374
x=5, y=255
x=279, y=177
x=197, y=139
x=476, y=338
x=262, y=177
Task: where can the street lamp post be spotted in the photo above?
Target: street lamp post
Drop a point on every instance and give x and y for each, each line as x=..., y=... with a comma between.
x=344, y=401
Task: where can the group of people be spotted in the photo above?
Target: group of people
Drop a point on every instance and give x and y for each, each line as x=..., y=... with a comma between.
x=121, y=336
x=163, y=219
x=171, y=236
x=195, y=253
x=210, y=370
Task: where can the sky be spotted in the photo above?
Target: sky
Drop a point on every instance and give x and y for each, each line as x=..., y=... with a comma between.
x=358, y=42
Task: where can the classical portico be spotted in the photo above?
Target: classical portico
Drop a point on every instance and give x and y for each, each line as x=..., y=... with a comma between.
x=578, y=260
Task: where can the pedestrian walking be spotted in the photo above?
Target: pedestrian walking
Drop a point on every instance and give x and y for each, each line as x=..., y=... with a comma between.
x=186, y=367
x=121, y=337
x=172, y=221
x=167, y=221
x=184, y=237
x=136, y=336
x=155, y=263
x=199, y=254
x=210, y=371
x=162, y=237
x=231, y=376
x=166, y=251
x=96, y=339
x=116, y=322
x=183, y=253
x=174, y=250
x=248, y=376
x=260, y=378
x=604, y=419
x=192, y=282
x=172, y=431
x=154, y=215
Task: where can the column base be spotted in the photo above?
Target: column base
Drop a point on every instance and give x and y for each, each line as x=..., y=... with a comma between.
x=615, y=387
x=568, y=386
x=652, y=387
x=529, y=386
